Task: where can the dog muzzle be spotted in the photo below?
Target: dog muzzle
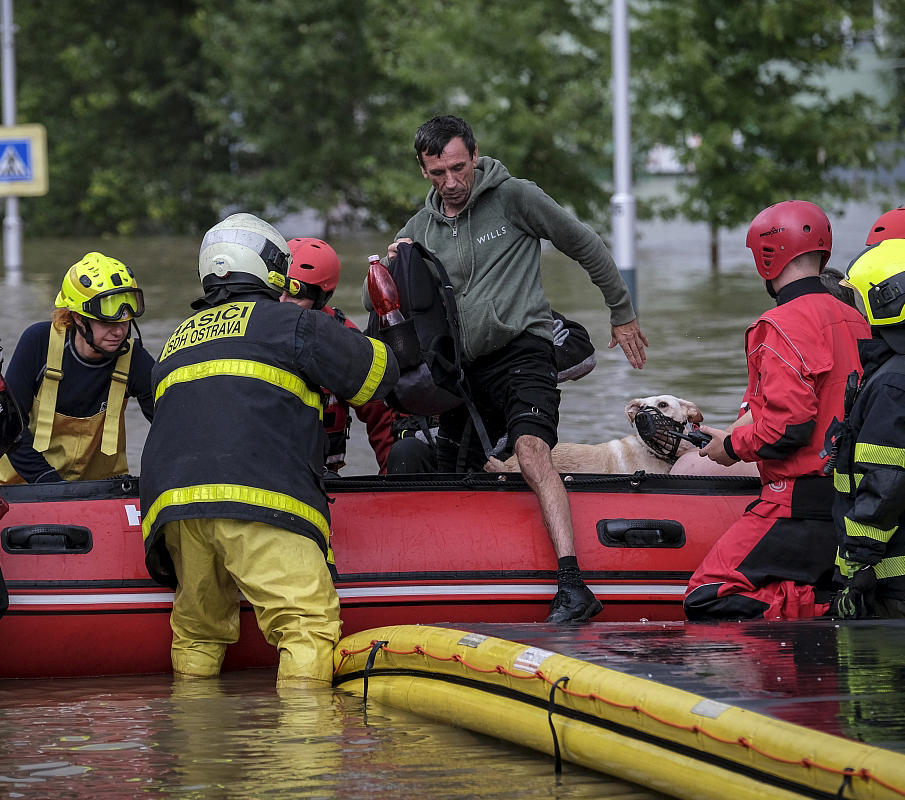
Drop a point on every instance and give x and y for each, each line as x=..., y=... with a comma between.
x=660, y=433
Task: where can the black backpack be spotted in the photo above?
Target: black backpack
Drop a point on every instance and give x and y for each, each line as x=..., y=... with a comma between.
x=426, y=345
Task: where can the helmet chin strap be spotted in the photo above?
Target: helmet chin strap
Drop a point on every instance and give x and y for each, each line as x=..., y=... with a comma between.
x=88, y=336
x=770, y=290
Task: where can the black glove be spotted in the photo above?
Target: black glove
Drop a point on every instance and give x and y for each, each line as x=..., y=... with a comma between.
x=856, y=598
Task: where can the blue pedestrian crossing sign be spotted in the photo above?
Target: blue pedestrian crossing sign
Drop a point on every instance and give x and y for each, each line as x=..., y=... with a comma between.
x=23, y=160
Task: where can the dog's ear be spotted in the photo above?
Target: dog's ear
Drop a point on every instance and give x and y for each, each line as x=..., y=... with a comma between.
x=691, y=411
x=633, y=408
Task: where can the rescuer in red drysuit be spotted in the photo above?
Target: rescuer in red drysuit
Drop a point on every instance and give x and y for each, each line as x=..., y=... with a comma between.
x=312, y=279
x=800, y=355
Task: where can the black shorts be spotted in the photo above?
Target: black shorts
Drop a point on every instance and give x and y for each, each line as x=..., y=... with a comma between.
x=514, y=390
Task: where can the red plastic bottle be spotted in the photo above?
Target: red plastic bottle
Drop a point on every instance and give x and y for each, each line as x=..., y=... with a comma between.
x=383, y=293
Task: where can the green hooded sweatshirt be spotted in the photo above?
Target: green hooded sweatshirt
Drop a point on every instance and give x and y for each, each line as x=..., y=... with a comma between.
x=491, y=251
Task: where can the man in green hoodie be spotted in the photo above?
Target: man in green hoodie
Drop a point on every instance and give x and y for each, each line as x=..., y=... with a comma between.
x=486, y=228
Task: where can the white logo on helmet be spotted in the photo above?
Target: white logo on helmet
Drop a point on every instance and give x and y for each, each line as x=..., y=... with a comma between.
x=223, y=265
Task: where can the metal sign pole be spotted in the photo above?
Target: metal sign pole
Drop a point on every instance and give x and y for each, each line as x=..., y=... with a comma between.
x=623, y=202
x=12, y=222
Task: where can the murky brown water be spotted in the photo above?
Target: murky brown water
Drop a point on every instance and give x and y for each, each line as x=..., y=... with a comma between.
x=239, y=737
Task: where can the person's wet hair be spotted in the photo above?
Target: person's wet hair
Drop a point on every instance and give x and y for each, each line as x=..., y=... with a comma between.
x=435, y=134
x=830, y=278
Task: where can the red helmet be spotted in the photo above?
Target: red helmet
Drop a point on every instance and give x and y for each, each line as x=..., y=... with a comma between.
x=314, y=271
x=890, y=225
x=786, y=230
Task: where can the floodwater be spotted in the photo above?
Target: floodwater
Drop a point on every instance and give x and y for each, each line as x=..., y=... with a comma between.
x=238, y=736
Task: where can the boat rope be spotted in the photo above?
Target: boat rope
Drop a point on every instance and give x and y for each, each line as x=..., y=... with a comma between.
x=846, y=782
x=848, y=774
x=557, y=758
x=375, y=646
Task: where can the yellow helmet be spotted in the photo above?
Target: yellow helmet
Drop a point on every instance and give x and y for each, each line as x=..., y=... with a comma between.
x=878, y=278
x=101, y=288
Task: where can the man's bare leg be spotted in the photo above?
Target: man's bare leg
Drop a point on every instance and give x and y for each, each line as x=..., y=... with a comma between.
x=536, y=465
x=573, y=601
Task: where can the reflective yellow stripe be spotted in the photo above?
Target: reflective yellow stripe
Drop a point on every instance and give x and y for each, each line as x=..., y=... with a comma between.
x=375, y=374
x=841, y=481
x=891, y=567
x=228, y=493
x=877, y=454
x=858, y=529
x=237, y=368
x=888, y=568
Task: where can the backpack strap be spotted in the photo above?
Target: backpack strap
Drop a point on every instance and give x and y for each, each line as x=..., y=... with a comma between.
x=452, y=317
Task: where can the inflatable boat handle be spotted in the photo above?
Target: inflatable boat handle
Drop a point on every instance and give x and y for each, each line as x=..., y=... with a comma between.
x=46, y=539
x=640, y=533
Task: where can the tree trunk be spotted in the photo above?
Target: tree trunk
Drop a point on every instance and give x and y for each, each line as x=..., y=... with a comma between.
x=714, y=248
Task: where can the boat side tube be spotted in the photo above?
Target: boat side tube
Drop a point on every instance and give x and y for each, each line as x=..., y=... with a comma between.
x=660, y=737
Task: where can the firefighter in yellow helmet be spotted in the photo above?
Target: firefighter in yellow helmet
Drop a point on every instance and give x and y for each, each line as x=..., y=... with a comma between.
x=232, y=490
x=73, y=376
x=869, y=471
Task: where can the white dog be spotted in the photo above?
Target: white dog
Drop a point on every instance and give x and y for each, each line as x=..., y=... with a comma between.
x=620, y=456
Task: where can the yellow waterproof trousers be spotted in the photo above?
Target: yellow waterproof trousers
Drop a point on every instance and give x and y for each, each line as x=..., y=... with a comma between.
x=282, y=574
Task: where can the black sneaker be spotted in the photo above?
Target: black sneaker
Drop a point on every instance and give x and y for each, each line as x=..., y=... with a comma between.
x=573, y=604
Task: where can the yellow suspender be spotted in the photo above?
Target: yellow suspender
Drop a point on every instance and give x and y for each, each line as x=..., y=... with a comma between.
x=47, y=396
x=110, y=440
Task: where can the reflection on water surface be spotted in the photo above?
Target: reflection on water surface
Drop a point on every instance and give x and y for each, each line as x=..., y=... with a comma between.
x=238, y=737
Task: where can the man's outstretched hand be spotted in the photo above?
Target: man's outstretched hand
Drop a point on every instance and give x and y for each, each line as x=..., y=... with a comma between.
x=632, y=341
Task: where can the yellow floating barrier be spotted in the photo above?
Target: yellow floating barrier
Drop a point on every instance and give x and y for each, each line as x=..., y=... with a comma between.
x=660, y=737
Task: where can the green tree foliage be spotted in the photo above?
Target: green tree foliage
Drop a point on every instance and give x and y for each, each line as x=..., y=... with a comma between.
x=160, y=115
x=737, y=88
x=301, y=95
x=325, y=96
x=115, y=82
x=531, y=76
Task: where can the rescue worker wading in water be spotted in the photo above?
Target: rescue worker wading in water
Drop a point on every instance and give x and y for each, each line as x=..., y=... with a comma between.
x=72, y=378
x=313, y=277
x=232, y=471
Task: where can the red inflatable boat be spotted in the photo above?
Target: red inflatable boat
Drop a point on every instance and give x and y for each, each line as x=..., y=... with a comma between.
x=408, y=550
